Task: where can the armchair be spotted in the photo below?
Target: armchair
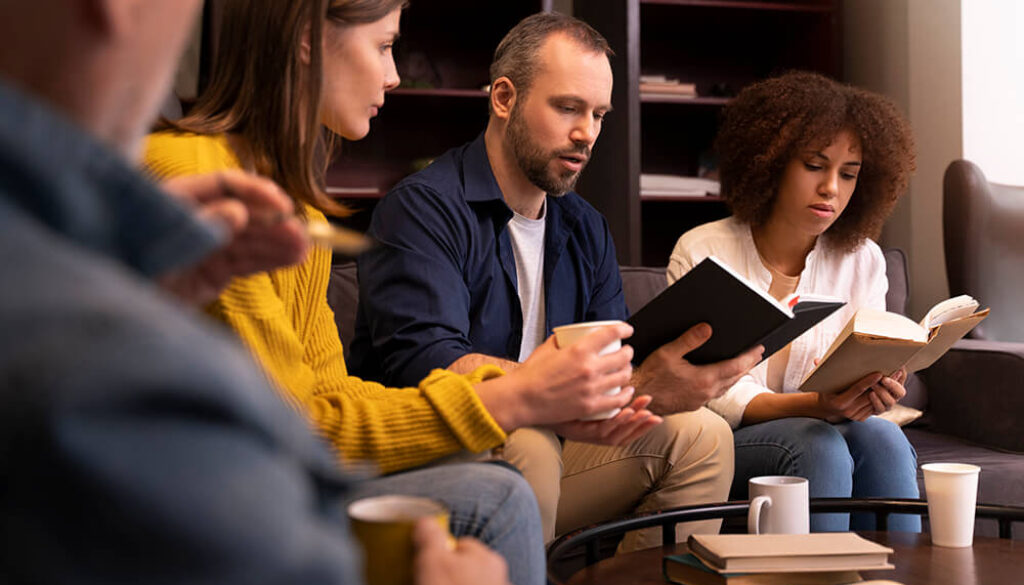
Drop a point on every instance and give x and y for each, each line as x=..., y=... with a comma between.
x=975, y=393
x=982, y=223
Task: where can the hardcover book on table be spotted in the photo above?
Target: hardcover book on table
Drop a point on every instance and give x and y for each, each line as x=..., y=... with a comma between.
x=741, y=315
x=688, y=570
x=789, y=553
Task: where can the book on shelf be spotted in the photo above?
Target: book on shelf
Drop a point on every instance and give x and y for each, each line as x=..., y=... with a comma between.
x=688, y=570
x=652, y=184
x=660, y=84
x=668, y=89
x=877, y=341
x=789, y=553
x=741, y=315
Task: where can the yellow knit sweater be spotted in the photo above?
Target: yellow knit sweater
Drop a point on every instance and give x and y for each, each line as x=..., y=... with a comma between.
x=285, y=321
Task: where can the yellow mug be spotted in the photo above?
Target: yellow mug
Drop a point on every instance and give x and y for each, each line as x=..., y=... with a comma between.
x=384, y=526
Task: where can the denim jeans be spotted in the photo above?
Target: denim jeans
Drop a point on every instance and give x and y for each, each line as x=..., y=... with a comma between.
x=851, y=459
x=488, y=501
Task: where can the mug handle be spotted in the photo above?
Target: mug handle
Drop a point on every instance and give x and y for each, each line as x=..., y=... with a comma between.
x=754, y=514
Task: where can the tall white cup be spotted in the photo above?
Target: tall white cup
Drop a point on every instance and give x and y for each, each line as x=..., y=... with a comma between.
x=566, y=335
x=952, y=492
x=779, y=504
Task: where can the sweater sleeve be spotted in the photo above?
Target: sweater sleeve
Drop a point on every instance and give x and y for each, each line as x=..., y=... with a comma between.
x=397, y=428
x=282, y=317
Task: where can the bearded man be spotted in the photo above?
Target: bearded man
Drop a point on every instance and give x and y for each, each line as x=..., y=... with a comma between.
x=486, y=250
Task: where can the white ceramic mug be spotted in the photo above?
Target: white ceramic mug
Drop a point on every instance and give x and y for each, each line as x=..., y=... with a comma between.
x=779, y=504
x=566, y=335
x=952, y=492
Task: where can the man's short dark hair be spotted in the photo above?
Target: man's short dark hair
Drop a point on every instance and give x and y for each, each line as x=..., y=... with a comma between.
x=516, y=55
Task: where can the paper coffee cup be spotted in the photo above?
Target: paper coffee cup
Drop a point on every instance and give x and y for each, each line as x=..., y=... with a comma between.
x=566, y=335
x=952, y=492
x=384, y=526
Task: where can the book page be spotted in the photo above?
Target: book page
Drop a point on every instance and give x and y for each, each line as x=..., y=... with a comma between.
x=876, y=323
x=943, y=338
x=949, y=310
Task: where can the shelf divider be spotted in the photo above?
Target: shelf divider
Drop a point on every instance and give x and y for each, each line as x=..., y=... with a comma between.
x=829, y=6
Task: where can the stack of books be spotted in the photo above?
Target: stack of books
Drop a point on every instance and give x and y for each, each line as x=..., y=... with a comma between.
x=776, y=559
x=661, y=85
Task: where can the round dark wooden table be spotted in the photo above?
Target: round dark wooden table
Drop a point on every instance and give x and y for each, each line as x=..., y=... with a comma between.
x=991, y=561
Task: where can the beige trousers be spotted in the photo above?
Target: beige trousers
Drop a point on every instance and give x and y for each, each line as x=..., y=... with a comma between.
x=688, y=459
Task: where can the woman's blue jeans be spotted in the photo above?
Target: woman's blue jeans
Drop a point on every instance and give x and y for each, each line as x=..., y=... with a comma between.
x=869, y=459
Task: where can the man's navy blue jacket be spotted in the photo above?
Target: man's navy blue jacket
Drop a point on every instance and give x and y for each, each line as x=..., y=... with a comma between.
x=442, y=281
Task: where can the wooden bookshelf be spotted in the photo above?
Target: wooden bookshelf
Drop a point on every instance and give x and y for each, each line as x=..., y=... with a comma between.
x=649, y=98
x=440, y=104
x=719, y=45
x=711, y=199
x=438, y=92
x=809, y=6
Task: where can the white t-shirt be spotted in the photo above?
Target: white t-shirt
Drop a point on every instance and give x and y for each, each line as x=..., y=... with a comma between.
x=527, y=237
x=856, y=277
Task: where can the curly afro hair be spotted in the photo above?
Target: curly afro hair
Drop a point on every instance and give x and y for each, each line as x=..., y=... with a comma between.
x=771, y=121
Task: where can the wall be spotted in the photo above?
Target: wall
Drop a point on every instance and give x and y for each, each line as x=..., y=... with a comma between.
x=909, y=50
x=993, y=88
x=186, y=81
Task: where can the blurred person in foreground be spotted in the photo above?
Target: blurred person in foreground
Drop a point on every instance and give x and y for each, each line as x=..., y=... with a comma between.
x=139, y=443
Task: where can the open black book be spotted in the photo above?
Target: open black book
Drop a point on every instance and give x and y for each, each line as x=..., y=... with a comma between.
x=741, y=316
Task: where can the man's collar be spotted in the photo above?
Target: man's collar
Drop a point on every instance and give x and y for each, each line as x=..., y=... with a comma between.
x=479, y=177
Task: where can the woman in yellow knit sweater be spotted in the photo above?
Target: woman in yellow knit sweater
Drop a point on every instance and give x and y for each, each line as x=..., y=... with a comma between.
x=288, y=76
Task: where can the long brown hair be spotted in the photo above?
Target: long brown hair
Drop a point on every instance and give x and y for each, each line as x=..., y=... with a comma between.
x=262, y=92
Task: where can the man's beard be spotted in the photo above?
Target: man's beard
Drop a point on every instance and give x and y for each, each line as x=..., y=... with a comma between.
x=534, y=162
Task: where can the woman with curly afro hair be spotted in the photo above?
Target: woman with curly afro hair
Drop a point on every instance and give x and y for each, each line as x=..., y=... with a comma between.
x=811, y=169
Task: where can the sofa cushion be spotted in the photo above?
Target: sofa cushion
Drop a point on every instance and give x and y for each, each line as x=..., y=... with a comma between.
x=343, y=297
x=899, y=283
x=640, y=284
x=1001, y=472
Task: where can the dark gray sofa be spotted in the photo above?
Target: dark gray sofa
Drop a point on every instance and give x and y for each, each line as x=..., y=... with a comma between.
x=973, y=398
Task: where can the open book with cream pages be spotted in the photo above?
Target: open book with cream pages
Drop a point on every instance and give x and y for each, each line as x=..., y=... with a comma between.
x=877, y=341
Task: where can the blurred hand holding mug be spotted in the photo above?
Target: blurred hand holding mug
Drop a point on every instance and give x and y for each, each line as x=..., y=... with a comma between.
x=384, y=526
